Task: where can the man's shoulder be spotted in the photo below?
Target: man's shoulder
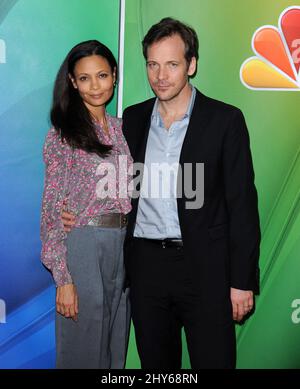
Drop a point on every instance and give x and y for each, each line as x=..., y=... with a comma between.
x=144, y=106
x=216, y=106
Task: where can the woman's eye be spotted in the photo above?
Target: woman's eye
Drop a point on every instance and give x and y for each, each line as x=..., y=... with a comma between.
x=103, y=75
x=83, y=78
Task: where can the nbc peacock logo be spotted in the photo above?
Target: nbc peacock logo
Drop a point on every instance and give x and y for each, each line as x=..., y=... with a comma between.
x=277, y=61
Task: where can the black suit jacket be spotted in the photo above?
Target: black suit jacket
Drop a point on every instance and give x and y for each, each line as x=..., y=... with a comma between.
x=221, y=239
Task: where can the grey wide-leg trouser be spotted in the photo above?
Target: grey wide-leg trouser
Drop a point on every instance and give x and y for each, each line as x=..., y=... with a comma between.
x=98, y=340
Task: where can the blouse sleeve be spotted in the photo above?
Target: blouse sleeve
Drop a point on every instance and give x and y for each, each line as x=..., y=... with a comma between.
x=57, y=158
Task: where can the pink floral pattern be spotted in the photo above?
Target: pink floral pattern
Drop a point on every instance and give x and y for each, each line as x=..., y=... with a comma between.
x=71, y=180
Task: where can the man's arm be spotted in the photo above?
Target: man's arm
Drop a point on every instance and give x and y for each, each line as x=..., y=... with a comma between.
x=68, y=220
x=242, y=204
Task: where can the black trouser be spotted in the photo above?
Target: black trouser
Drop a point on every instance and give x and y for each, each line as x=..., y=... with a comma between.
x=163, y=300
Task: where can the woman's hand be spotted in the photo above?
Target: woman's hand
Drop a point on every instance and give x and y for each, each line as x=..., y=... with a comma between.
x=67, y=301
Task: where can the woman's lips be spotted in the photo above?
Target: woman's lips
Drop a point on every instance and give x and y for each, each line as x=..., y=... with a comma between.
x=96, y=96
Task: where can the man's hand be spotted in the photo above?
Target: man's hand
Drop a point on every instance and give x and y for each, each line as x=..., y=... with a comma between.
x=242, y=302
x=68, y=220
x=67, y=301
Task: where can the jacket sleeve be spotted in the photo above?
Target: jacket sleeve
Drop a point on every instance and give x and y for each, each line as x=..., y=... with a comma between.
x=56, y=156
x=242, y=204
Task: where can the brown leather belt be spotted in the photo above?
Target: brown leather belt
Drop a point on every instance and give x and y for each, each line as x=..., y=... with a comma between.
x=110, y=220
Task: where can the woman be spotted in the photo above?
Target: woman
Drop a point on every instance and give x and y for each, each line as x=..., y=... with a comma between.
x=81, y=151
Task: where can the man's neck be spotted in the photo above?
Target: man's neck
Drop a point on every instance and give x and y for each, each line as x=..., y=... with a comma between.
x=178, y=105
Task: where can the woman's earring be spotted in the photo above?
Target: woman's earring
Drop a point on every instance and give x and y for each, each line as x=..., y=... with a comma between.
x=115, y=83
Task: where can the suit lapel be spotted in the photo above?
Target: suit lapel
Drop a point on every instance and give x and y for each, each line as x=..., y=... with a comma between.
x=196, y=125
x=142, y=134
x=143, y=131
x=191, y=147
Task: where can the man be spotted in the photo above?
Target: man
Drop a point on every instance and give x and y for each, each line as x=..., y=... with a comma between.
x=189, y=265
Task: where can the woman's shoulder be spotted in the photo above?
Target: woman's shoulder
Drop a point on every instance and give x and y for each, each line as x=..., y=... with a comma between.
x=54, y=145
x=52, y=134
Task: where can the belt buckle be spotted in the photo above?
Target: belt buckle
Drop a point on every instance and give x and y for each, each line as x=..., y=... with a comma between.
x=92, y=222
x=169, y=242
x=123, y=220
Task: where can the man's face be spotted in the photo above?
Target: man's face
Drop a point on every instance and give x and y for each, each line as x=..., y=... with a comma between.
x=167, y=67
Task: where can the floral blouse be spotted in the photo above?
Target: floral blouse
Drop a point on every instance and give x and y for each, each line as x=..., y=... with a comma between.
x=84, y=184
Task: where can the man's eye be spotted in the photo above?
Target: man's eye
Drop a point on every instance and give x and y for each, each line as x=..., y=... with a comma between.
x=152, y=65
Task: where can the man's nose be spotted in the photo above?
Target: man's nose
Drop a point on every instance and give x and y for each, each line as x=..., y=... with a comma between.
x=162, y=74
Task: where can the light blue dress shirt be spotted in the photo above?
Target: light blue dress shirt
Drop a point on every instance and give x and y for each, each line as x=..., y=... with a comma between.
x=157, y=215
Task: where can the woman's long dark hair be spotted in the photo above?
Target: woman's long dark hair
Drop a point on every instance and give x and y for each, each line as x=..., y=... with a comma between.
x=69, y=115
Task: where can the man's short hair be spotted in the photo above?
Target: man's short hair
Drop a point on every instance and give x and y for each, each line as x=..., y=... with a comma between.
x=168, y=27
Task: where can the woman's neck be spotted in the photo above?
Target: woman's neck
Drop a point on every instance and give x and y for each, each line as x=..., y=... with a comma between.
x=98, y=115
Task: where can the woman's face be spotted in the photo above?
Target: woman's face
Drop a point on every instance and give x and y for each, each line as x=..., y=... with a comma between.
x=94, y=80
